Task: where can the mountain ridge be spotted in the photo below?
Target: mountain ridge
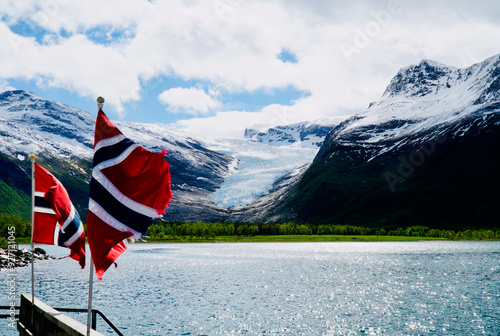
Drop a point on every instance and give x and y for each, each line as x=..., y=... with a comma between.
x=61, y=137
x=307, y=133
x=384, y=165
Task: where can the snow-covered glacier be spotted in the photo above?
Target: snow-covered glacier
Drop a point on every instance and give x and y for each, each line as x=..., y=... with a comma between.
x=258, y=166
x=264, y=155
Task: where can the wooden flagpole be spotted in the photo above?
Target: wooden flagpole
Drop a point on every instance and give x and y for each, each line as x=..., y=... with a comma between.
x=32, y=158
x=100, y=102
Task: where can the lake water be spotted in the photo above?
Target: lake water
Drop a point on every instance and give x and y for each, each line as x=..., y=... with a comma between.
x=380, y=288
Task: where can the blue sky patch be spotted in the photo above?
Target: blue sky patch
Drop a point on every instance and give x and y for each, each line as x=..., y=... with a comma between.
x=29, y=29
x=104, y=35
x=287, y=56
x=107, y=35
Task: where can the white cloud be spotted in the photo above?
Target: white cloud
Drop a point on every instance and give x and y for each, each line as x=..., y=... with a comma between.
x=232, y=124
x=4, y=86
x=224, y=124
x=192, y=101
x=233, y=46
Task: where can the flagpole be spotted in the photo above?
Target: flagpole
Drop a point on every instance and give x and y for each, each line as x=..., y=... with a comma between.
x=32, y=158
x=89, y=309
x=100, y=102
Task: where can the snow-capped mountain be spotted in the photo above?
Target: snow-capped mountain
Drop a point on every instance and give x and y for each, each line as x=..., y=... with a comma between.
x=31, y=125
x=308, y=134
x=62, y=137
x=426, y=153
x=425, y=96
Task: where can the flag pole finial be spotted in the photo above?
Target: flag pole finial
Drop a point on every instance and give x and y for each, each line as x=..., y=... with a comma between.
x=32, y=158
x=100, y=102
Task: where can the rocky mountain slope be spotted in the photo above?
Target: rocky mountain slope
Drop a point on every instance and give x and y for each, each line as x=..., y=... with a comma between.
x=62, y=138
x=427, y=153
x=208, y=177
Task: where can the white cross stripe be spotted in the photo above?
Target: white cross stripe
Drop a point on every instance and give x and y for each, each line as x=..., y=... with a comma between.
x=44, y=210
x=75, y=237
x=106, y=183
x=101, y=213
x=109, y=142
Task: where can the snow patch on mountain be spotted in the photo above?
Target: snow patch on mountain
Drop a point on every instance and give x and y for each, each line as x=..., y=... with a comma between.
x=307, y=133
x=157, y=137
x=33, y=125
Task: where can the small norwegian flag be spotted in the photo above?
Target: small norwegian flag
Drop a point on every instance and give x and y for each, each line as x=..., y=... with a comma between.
x=56, y=221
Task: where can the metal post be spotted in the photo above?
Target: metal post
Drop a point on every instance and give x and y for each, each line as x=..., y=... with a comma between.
x=89, y=310
x=32, y=158
x=100, y=102
x=94, y=320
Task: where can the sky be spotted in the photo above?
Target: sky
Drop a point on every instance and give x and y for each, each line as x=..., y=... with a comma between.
x=215, y=67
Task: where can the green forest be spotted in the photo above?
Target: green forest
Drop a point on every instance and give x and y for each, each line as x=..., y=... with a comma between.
x=207, y=231
x=201, y=231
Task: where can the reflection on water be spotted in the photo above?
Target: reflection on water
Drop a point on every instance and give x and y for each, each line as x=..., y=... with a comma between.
x=410, y=288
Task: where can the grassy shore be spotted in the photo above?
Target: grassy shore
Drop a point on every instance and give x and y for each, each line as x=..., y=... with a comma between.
x=281, y=238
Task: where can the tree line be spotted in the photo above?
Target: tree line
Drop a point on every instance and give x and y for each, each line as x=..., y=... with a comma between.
x=203, y=230
x=21, y=227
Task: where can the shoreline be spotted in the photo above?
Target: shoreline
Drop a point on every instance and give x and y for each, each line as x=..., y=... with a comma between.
x=289, y=239
x=19, y=257
x=303, y=238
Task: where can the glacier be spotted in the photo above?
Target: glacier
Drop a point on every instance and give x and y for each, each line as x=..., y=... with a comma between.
x=265, y=154
x=259, y=166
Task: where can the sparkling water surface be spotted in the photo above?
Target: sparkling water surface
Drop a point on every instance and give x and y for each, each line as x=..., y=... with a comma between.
x=379, y=288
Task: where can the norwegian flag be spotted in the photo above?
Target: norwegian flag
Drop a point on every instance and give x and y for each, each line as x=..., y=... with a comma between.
x=56, y=221
x=130, y=187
